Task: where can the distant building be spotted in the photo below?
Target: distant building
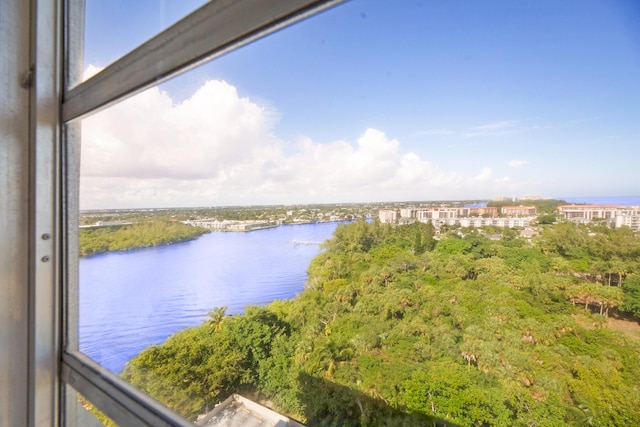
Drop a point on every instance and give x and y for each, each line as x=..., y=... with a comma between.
x=480, y=211
x=628, y=211
x=107, y=224
x=478, y=222
x=463, y=216
x=231, y=225
x=388, y=216
x=618, y=216
x=408, y=212
x=516, y=211
x=445, y=212
x=587, y=213
x=250, y=225
x=631, y=221
x=425, y=214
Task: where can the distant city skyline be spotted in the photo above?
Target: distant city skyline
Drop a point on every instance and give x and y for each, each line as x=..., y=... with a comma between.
x=376, y=101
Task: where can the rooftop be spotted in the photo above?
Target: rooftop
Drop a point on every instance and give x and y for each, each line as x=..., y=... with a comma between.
x=589, y=207
x=238, y=411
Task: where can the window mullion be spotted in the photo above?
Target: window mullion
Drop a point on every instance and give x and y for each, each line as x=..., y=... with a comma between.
x=43, y=82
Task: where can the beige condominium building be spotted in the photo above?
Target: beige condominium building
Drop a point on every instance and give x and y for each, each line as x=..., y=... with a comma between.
x=513, y=211
x=618, y=215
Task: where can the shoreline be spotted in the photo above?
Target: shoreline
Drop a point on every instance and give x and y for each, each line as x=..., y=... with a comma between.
x=207, y=231
x=133, y=248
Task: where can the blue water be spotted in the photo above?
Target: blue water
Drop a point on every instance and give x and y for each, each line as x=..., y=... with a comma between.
x=477, y=205
x=130, y=300
x=614, y=200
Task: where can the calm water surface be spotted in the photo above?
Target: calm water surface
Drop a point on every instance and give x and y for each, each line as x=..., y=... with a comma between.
x=130, y=300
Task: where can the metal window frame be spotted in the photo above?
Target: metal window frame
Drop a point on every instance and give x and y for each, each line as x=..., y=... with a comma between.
x=44, y=84
x=213, y=30
x=119, y=400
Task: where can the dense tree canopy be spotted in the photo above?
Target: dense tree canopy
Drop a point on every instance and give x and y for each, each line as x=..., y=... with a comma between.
x=396, y=328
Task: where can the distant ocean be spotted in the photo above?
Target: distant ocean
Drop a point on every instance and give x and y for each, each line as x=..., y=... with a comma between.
x=620, y=200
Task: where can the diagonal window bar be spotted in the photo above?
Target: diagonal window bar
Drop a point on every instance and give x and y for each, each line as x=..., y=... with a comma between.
x=118, y=399
x=216, y=28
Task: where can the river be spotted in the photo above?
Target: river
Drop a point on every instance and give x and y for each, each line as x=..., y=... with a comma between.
x=130, y=300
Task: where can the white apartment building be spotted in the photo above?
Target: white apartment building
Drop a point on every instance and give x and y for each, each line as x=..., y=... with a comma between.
x=408, y=212
x=388, y=216
x=423, y=214
x=496, y=222
x=628, y=216
x=482, y=222
x=618, y=215
x=230, y=225
x=586, y=213
x=631, y=221
x=628, y=211
x=437, y=213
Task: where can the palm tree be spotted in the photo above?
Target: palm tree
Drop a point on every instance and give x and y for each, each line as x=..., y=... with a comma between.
x=216, y=317
x=328, y=356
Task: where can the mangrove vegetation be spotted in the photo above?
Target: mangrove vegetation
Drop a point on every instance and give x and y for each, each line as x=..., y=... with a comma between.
x=132, y=236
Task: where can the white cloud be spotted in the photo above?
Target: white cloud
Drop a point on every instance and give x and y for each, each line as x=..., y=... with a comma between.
x=90, y=71
x=218, y=148
x=516, y=163
x=484, y=175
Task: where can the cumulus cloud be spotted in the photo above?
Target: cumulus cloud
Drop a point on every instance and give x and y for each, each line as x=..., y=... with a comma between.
x=219, y=148
x=516, y=163
x=148, y=136
x=90, y=71
x=484, y=175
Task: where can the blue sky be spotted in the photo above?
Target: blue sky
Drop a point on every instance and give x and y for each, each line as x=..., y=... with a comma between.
x=379, y=101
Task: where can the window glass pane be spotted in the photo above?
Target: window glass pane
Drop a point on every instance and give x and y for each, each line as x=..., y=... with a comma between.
x=115, y=27
x=205, y=199
x=81, y=412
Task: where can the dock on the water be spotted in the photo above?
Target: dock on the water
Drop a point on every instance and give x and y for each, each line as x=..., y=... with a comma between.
x=305, y=242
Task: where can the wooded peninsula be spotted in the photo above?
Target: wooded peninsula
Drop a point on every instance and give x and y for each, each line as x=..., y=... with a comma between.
x=397, y=326
x=134, y=236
